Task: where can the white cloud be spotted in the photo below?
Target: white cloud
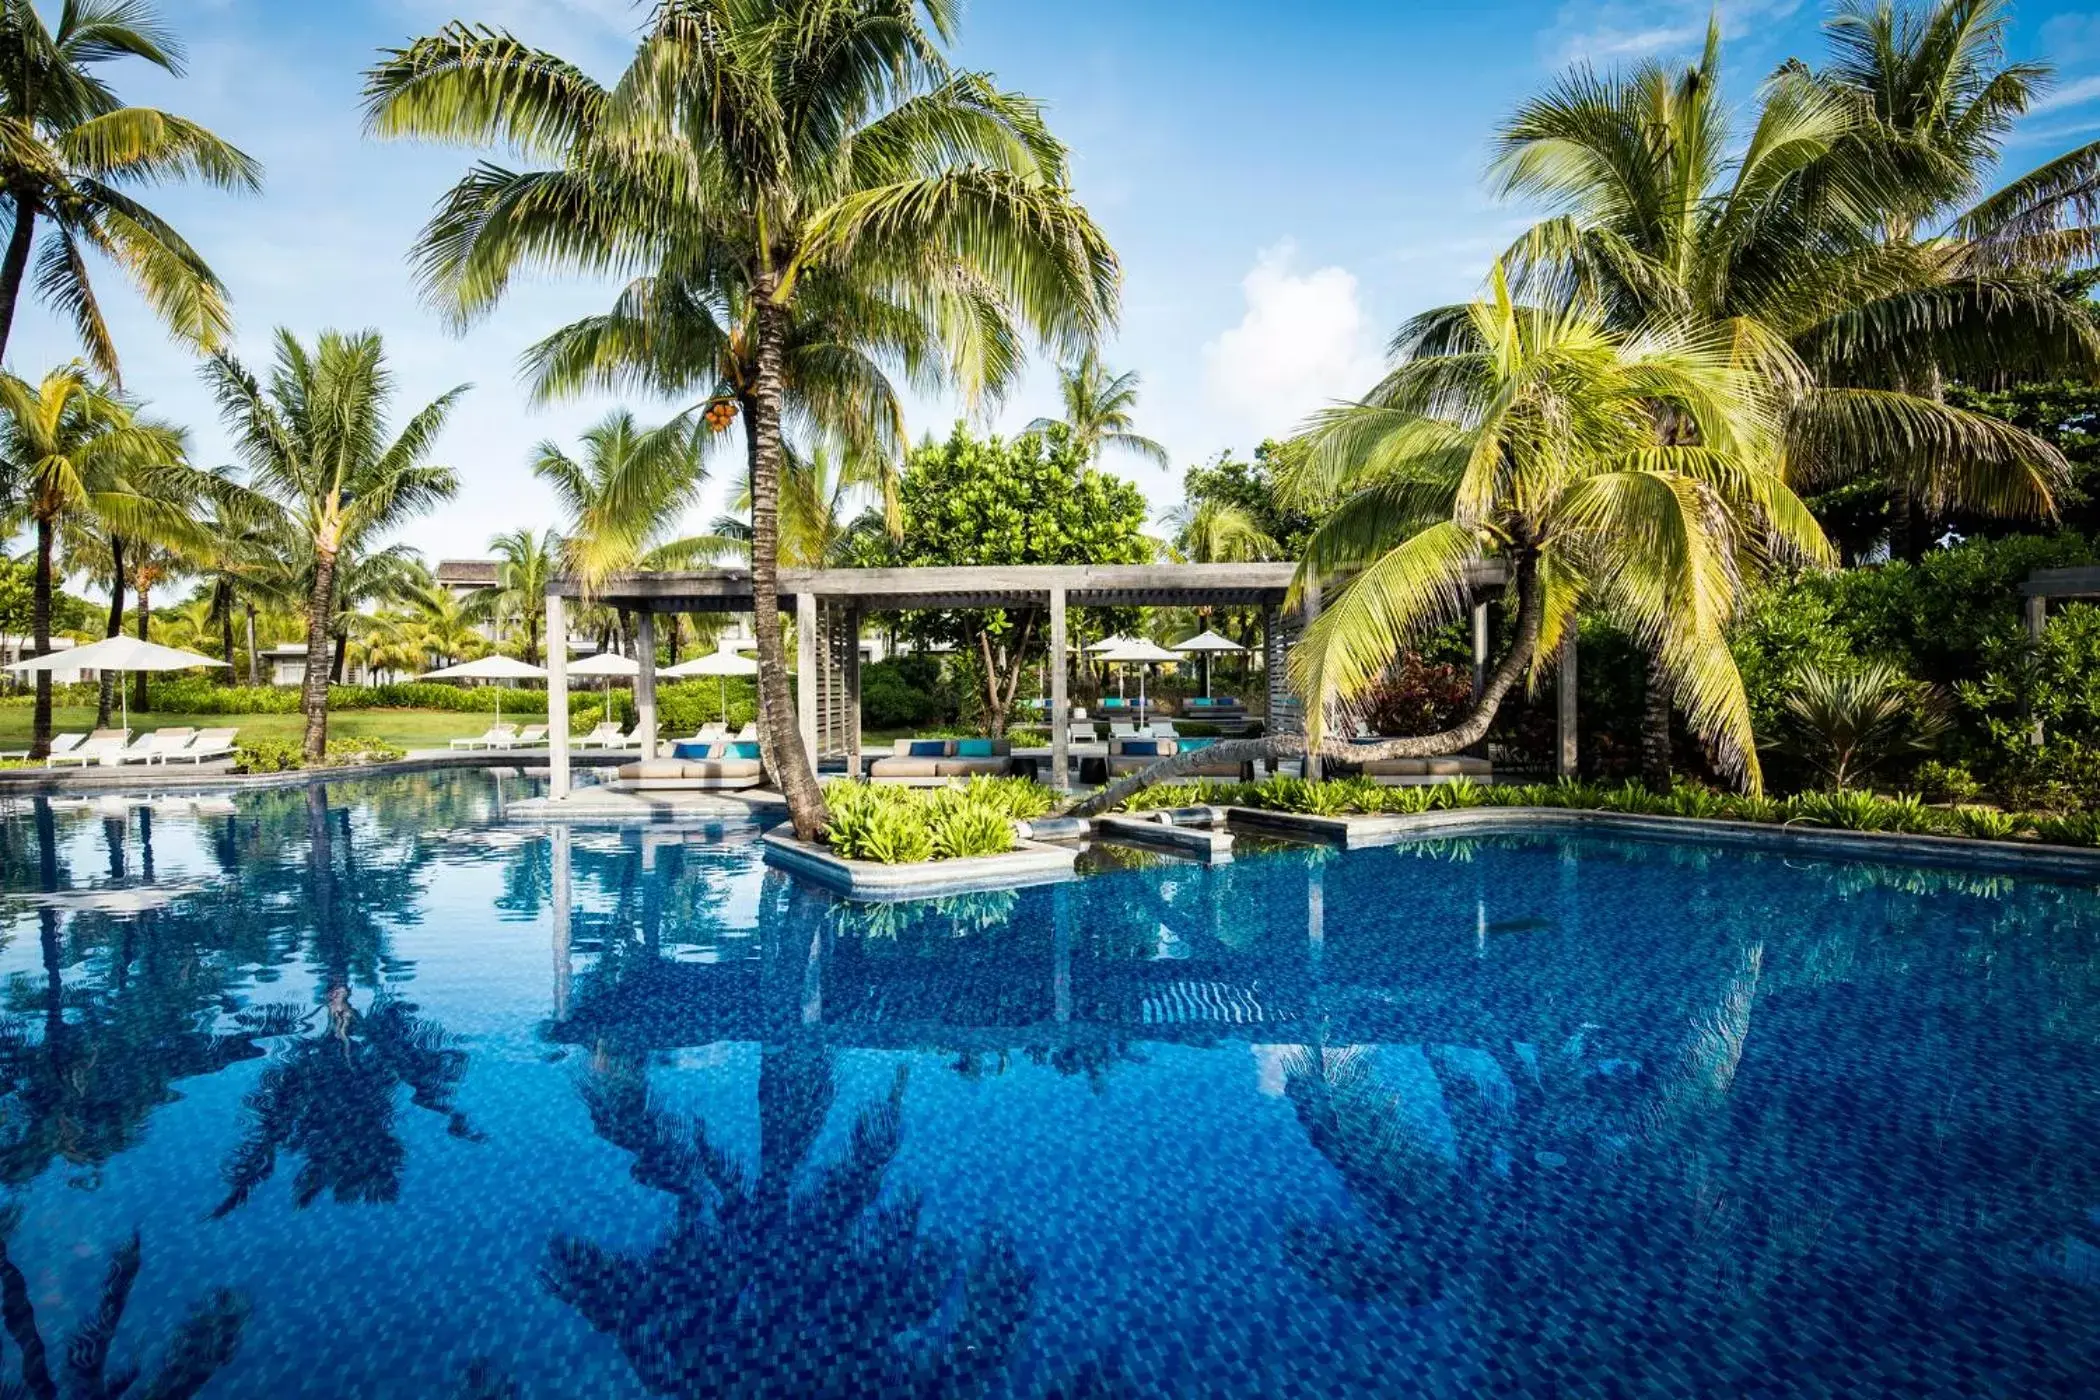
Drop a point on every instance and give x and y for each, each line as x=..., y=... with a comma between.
x=1617, y=30
x=1303, y=343
x=2075, y=93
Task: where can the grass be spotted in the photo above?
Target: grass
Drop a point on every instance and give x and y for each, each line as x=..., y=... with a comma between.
x=411, y=729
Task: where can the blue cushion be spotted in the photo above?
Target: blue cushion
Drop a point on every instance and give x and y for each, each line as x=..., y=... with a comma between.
x=976, y=748
x=686, y=748
x=1141, y=748
x=927, y=748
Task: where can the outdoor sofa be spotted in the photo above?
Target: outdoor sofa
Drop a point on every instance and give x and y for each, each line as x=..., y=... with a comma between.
x=1414, y=772
x=1127, y=756
x=931, y=762
x=721, y=767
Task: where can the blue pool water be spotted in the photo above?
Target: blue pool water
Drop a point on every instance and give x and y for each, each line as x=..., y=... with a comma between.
x=396, y=1101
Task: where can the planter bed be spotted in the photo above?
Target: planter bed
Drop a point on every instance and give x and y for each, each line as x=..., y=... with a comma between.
x=1029, y=863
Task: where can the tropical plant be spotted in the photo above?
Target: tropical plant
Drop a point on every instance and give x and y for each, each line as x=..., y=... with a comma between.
x=525, y=564
x=968, y=828
x=1846, y=723
x=315, y=439
x=71, y=151
x=1031, y=500
x=79, y=450
x=1530, y=436
x=760, y=154
x=1099, y=411
x=818, y=527
x=625, y=498
x=1800, y=236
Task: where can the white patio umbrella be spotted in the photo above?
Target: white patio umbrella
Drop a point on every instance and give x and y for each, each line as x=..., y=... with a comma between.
x=1138, y=651
x=489, y=668
x=1106, y=644
x=1208, y=644
x=721, y=663
x=607, y=664
x=117, y=654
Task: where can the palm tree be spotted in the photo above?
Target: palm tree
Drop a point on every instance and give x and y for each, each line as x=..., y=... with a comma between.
x=1219, y=532
x=524, y=566
x=80, y=450
x=1796, y=242
x=1532, y=439
x=627, y=495
x=238, y=565
x=151, y=566
x=1098, y=410
x=762, y=153
x=316, y=440
x=817, y=521
x=70, y=151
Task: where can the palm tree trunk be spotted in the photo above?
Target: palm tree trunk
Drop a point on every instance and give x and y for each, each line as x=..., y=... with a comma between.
x=15, y=264
x=254, y=655
x=144, y=614
x=777, y=731
x=107, y=699
x=340, y=656
x=1655, y=728
x=313, y=693
x=40, y=625
x=226, y=632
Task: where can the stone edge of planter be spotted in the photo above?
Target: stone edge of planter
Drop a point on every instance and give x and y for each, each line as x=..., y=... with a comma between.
x=1029, y=863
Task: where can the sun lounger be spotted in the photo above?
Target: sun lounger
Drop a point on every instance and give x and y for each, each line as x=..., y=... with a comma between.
x=150, y=747
x=207, y=745
x=497, y=735
x=99, y=747
x=530, y=736
x=1162, y=729
x=60, y=743
x=748, y=734
x=1122, y=729
x=603, y=737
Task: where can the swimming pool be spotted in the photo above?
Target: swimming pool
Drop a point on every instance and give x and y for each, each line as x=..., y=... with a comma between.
x=392, y=1108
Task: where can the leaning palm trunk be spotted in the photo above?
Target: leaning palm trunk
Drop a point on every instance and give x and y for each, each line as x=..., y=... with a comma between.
x=779, y=735
x=1460, y=737
x=313, y=693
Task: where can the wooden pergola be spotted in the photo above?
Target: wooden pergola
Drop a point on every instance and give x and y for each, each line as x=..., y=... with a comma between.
x=828, y=606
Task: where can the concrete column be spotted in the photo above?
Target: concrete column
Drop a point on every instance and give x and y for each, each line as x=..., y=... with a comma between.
x=853, y=692
x=1312, y=611
x=1060, y=720
x=557, y=698
x=1567, y=759
x=2035, y=612
x=806, y=681
x=645, y=683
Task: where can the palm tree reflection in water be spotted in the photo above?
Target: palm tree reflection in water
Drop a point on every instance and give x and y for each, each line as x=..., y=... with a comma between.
x=330, y=1093
x=760, y=1288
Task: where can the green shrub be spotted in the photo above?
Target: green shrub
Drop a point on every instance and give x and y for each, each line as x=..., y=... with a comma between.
x=1984, y=823
x=1939, y=781
x=1847, y=809
x=268, y=756
x=884, y=833
x=969, y=829
x=903, y=692
x=2072, y=829
x=357, y=749
x=1018, y=798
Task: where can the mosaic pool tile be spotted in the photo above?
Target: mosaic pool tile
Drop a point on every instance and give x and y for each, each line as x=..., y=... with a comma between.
x=395, y=1101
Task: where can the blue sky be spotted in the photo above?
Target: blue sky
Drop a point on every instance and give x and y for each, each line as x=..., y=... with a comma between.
x=1284, y=184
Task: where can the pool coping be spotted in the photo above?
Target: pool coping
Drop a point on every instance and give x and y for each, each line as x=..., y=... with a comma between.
x=1029, y=863
x=139, y=777
x=1386, y=829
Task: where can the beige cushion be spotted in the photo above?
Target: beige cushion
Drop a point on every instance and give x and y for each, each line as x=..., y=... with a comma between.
x=969, y=767
x=1451, y=767
x=906, y=767
x=654, y=768
x=720, y=768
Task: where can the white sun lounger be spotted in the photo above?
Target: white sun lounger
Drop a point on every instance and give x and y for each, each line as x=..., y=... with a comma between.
x=604, y=736
x=209, y=744
x=60, y=743
x=98, y=747
x=151, y=747
x=530, y=736
x=496, y=736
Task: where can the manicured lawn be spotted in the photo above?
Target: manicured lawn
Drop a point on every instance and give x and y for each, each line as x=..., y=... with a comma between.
x=411, y=729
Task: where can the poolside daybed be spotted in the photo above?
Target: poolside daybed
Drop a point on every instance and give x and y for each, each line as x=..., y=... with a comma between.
x=1132, y=755
x=1411, y=772
x=931, y=762
x=713, y=766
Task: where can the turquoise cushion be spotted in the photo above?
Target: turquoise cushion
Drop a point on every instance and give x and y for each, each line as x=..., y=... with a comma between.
x=976, y=748
x=1198, y=702
x=1111, y=703
x=1197, y=743
x=927, y=748
x=743, y=748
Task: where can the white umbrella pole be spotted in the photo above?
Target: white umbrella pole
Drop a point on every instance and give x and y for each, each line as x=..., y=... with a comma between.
x=124, y=700
x=1142, y=671
x=722, y=698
